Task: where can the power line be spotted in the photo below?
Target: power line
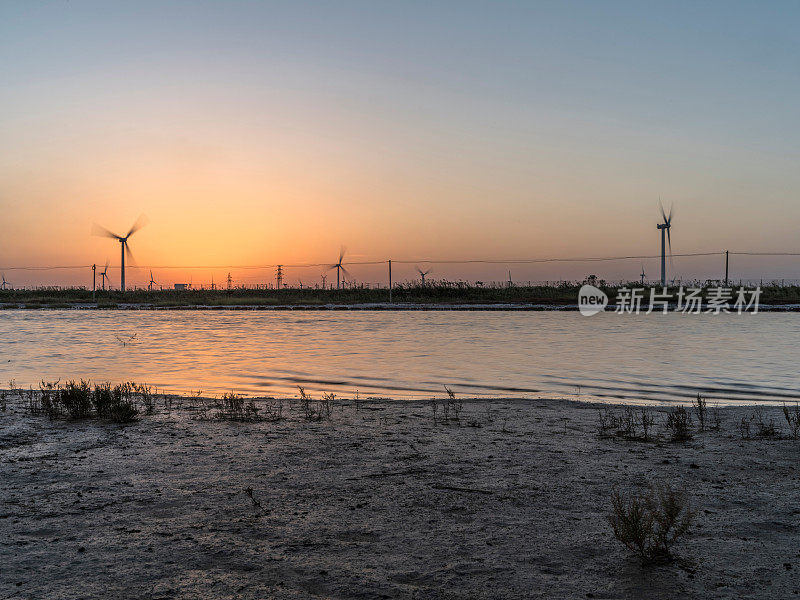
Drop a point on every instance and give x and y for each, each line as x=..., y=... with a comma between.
x=508, y=261
x=765, y=253
x=545, y=260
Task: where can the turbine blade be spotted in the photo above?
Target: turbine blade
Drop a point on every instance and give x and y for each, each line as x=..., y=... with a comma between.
x=129, y=254
x=345, y=272
x=342, y=252
x=420, y=271
x=103, y=232
x=669, y=215
x=140, y=222
x=669, y=243
x=661, y=208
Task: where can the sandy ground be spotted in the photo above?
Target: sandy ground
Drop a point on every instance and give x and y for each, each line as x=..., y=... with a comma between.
x=381, y=502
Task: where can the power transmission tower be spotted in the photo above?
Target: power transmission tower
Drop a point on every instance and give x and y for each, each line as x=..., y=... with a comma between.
x=230, y=282
x=279, y=276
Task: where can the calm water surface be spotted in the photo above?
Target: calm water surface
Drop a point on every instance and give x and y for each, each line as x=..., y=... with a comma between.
x=731, y=358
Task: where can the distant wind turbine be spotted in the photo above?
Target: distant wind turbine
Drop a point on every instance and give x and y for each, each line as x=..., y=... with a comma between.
x=339, y=268
x=104, y=275
x=123, y=242
x=665, y=228
x=5, y=283
x=422, y=274
x=643, y=275
x=152, y=281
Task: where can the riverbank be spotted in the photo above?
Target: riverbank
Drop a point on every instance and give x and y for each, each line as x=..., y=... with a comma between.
x=384, y=499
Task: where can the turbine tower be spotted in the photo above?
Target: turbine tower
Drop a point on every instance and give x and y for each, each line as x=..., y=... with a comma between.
x=123, y=242
x=665, y=227
x=642, y=274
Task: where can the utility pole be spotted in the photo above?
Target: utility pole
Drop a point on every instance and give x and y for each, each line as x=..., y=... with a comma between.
x=390, y=281
x=726, y=268
x=94, y=280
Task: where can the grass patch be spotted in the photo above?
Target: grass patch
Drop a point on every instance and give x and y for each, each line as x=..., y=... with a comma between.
x=83, y=401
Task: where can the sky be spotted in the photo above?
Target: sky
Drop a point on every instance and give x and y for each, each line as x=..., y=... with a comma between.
x=255, y=133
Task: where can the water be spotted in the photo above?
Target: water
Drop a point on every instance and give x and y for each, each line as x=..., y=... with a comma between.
x=730, y=358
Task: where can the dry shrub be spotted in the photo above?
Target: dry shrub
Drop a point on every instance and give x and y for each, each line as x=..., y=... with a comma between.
x=234, y=407
x=650, y=524
x=647, y=421
x=701, y=410
x=765, y=428
x=679, y=423
x=453, y=404
x=793, y=419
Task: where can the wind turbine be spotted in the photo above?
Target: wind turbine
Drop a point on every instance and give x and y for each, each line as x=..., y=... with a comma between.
x=642, y=275
x=665, y=227
x=104, y=275
x=152, y=281
x=5, y=283
x=339, y=268
x=422, y=274
x=123, y=242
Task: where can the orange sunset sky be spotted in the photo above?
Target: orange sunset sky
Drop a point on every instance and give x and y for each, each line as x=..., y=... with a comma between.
x=262, y=133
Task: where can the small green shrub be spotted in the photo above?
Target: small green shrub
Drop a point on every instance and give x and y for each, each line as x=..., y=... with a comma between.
x=76, y=399
x=122, y=408
x=102, y=399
